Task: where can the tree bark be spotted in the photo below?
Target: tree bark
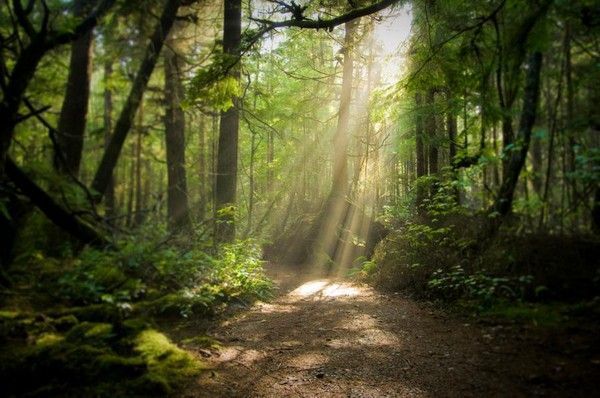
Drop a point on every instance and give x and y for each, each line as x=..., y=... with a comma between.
x=204, y=178
x=125, y=120
x=227, y=154
x=108, y=106
x=420, y=149
x=341, y=137
x=432, y=141
x=178, y=217
x=73, y=114
x=451, y=126
x=138, y=213
x=518, y=155
x=24, y=68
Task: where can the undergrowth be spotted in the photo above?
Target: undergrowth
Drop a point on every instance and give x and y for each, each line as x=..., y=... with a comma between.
x=84, y=325
x=440, y=255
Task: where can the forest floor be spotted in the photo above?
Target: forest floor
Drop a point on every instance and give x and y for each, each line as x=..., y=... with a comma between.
x=332, y=338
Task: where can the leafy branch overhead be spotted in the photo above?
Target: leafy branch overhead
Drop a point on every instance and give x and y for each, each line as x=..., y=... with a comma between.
x=222, y=64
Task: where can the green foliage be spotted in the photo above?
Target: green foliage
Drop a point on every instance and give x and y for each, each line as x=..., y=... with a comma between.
x=95, y=330
x=167, y=279
x=485, y=289
x=541, y=315
x=217, y=93
x=239, y=269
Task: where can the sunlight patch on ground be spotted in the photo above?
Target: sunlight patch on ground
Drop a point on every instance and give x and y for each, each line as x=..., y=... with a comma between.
x=250, y=356
x=360, y=322
x=366, y=337
x=309, y=288
x=308, y=360
x=326, y=288
x=267, y=308
x=340, y=289
x=377, y=337
x=239, y=354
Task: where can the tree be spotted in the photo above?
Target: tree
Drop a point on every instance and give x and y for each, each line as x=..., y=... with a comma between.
x=518, y=155
x=123, y=126
x=227, y=156
x=178, y=216
x=73, y=114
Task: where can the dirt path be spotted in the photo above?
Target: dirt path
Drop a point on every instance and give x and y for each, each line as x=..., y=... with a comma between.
x=327, y=338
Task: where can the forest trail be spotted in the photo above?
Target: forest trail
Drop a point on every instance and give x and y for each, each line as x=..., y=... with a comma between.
x=332, y=338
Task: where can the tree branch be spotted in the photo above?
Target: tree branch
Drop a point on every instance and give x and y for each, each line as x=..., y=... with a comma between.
x=328, y=24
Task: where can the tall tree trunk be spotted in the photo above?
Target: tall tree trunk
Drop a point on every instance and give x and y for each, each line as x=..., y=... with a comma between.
x=24, y=69
x=138, y=213
x=432, y=141
x=227, y=155
x=570, y=112
x=341, y=137
x=130, y=187
x=503, y=204
x=108, y=106
x=178, y=213
x=420, y=149
x=333, y=214
x=537, y=165
x=125, y=120
x=451, y=127
x=203, y=183
x=73, y=114
x=253, y=147
x=270, y=159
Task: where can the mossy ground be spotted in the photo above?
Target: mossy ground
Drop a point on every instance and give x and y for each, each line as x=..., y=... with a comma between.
x=101, y=359
x=87, y=325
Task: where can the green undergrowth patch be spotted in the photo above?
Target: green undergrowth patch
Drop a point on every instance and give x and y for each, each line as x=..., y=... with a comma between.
x=85, y=325
x=542, y=315
x=447, y=254
x=552, y=315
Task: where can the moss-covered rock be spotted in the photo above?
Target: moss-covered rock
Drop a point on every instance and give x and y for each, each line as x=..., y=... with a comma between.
x=96, y=359
x=168, y=364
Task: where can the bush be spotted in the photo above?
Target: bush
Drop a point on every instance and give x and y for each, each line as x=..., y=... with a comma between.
x=165, y=280
x=441, y=255
x=92, y=337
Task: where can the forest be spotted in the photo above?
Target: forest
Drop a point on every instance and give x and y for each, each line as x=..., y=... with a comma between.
x=299, y=198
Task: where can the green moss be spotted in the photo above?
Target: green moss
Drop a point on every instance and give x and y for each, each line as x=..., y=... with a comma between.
x=168, y=364
x=134, y=325
x=8, y=315
x=65, y=323
x=120, y=366
x=542, y=315
x=90, y=331
x=48, y=339
x=94, y=313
